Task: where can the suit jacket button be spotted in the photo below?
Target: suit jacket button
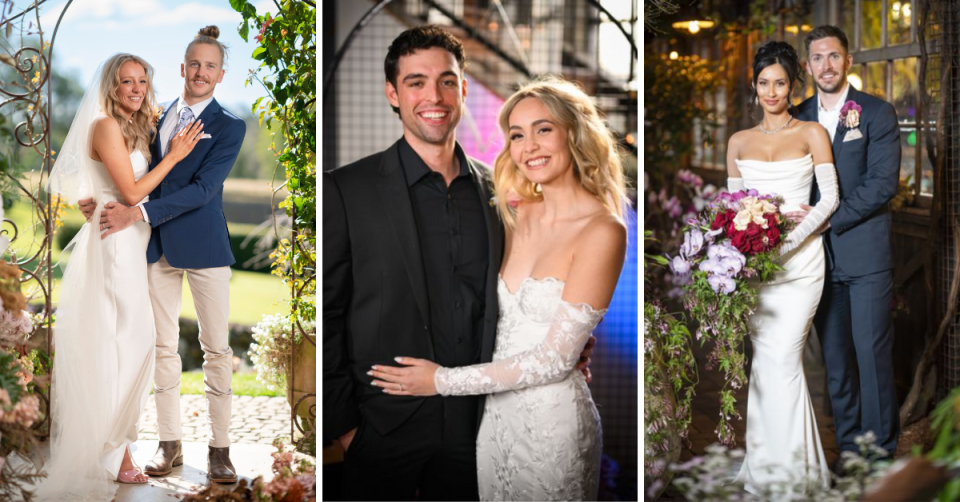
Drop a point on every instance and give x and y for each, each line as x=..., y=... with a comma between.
x=425, y=328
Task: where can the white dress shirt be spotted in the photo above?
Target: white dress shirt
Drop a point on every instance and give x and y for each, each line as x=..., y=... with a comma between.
x=830, y=119
x=169, y=124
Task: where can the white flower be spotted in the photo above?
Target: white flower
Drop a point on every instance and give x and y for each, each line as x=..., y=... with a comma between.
x=853, y=119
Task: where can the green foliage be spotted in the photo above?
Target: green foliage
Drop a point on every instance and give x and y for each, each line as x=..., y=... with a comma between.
x=288, y=53
x=669, y=378
x=945, y=422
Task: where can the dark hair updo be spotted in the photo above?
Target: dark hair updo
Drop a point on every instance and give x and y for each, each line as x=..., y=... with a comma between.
x=783, y=54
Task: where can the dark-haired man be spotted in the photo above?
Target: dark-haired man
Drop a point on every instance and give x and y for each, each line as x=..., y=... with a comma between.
x=853, y=318
x=411, y=252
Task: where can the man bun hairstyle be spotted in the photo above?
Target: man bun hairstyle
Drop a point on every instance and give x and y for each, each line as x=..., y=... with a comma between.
x=417, y=39
x=826, y=31
x=208, y=35
x=783, y=54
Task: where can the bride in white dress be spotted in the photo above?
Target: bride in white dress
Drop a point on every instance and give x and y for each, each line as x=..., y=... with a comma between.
x=784, y=156
x=540, y=437
x=104, y=331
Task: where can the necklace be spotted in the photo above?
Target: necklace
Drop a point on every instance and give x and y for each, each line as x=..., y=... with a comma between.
x=774, y=131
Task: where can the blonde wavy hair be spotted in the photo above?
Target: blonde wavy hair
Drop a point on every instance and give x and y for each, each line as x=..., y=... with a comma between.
x=139, y=130
x=596, y=155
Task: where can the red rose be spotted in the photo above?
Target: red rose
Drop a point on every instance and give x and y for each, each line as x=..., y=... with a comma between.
x=757, y=244
x=772, y=219
x=740, y=241
x=723, y=219
x=773, y=234
x=753, y=229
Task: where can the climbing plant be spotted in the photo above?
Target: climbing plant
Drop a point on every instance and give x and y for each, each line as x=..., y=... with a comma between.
x=287, y=49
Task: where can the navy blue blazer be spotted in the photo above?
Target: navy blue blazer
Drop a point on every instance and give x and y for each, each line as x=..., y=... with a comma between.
x=186, y=208
x=868, y=171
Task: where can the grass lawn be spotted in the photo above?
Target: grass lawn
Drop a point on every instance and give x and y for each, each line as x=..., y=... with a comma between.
x=244, y=384
x=252, y=294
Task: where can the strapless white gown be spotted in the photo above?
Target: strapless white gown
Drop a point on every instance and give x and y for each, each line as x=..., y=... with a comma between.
x=124, y=353
x=783, y=442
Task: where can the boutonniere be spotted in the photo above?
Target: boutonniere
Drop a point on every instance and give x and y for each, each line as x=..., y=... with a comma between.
x=157, y=115
x=850, y=115
x=493, y=201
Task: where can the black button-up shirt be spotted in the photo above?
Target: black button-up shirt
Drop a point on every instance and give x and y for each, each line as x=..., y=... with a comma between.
x=453, y=243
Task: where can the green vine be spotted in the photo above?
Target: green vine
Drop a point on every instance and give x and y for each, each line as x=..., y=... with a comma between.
x=287, y=50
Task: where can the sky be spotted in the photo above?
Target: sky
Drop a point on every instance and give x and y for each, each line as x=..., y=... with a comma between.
x=158, y=31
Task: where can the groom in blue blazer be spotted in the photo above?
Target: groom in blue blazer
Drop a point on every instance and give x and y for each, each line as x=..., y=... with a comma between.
x=190, y=238
x=853, y=318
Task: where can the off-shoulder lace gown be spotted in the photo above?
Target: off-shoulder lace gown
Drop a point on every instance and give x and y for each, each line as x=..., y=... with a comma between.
x=783, y=443
x=540, y=437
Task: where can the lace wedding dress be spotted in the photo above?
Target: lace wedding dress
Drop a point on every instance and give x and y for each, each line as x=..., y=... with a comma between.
x=540, y=437
x=783, y=442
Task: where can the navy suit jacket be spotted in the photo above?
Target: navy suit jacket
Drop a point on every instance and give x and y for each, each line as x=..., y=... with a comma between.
x=868, y=171
x=186, y=208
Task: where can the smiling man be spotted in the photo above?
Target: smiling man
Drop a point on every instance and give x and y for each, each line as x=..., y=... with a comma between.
x=411, y=249
x=853, y=318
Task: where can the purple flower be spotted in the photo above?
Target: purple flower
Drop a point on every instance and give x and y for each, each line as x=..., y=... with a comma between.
x=687, y=177
x=673, y=207
x=712, y=234
x=722, y=284
x=724, y=250
x=692, y=243
x=679, y=265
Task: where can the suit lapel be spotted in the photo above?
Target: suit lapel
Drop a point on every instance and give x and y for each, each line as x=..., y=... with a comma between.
x=399, y=211
x=210, y=112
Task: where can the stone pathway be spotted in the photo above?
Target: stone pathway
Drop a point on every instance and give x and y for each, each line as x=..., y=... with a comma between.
x=256, y=420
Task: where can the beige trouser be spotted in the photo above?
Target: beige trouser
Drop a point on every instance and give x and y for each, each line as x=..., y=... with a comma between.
x=210, y=288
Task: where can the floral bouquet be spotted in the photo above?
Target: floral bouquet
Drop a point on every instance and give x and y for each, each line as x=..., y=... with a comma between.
x=728, y=250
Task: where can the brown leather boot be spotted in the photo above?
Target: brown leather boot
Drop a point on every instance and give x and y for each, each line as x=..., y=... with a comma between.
x=168, y=456
x=219, y=467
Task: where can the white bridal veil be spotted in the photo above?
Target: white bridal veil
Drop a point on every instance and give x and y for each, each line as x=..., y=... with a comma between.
x=84, y=390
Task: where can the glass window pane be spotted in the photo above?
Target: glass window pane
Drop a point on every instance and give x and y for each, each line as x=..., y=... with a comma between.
x=870, y=23
x=876, y=81
x=720, y=145
x=926, y=166
x=855, y=77
x=848, y=15
x=905, y=89
x=908, y=157
x=899, y=17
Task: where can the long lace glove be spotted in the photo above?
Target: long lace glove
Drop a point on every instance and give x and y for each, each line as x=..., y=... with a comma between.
x=547, y=362
x=734, y=185
x=829, y=200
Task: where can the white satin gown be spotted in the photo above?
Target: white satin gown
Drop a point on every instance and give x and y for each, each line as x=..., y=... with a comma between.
x=783, y=442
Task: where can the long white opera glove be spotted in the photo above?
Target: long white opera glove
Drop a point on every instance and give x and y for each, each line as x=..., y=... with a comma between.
x=547, y=362
x=734, y=185
x=829, y=201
